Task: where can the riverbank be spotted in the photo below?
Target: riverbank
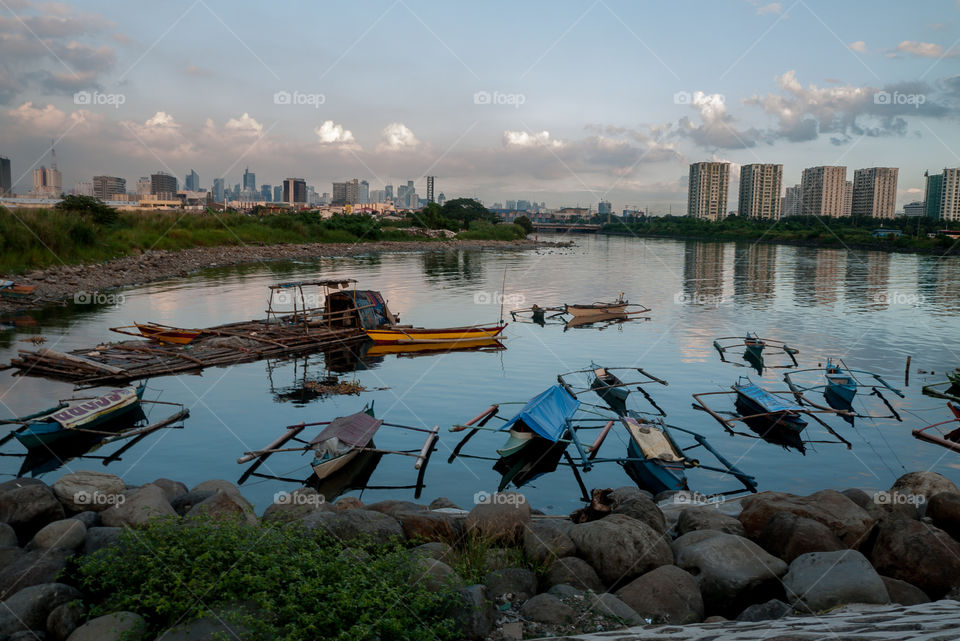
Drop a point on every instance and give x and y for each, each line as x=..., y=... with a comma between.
x=84, y=283
x=91, y=558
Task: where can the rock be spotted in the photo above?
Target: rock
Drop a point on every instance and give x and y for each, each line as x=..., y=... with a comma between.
x=565, y=591
x=185, y=502
x=665, y=595
x=500, y=558
x=692, y=538
x=221, y=485
x=89, y=518
x=643, y=509
x=88, y=490
x=850, y=522
x=64, y=619
x=943, y=509
x=609, y=606
x=8, y=536
x=772, y=609
x=917, y=553
x=27, y=635
x=543, y=542
x=576, y=572
x=171, y=489
x=395, y=507
x=719, y=619
x=224, y=506
x=377, y=527
x=513, y=585
x=35, y=567
x=434, y=550
x=546, y=608
x=625, y=492
x=27, y=505
x=443, y=502
x=111, y=627
x=818, y=581
x=208, y=627
x=475, y=615
x=904, y=593
x=433, y=574
x=146, y=503
x=501, y=518
x=620, y=547
x=731, y=571
x=787, y=536
x=707, y=518
x=292, y=506
x=29, y=608
x=348, y=503
x=100, y=537
x=925, y=484
x=66, y=533
x=894, y=505
x=858, y=496
x=429, y=526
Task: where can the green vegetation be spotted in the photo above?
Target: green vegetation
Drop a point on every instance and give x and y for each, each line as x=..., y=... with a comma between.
x=804, y=230
x=299, y=584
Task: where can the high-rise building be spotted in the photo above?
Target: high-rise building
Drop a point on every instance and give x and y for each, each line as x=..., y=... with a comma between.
x=363, y=192
x=760, y=186
x=47, y=183
x=430, y=198
x=441, y=199
x=107, y=187
x=524, y=205
x=932, y=194
x=163, y=185
x=6, y=186
x=388, y=192
x=83, y=188
x=249, y=180
x=278, y=194
x=875, y=192
x=791, y=201
x=950, y=195
x=708, y=190
x=823, y=191
x=848, y=198
x=192, y=182
x=143, y=186
x=511, y=205
x=295, y=191
x=915, y=209
x=604, y=208
x=346, y=193
x=218, y=190
x=266, y=192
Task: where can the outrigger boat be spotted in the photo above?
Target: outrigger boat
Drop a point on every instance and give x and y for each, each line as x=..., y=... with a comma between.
x=619, y=309
x=401, y=335
x=11, y=289
x=160, y=333
x=606, y=382
x=424, y=349
x=620, y=306
x=754, y=349
x=945, y=433
x=949, y=389
x=840, y=387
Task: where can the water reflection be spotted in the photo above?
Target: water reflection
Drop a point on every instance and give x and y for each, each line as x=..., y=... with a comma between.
x=754, y=273
x=703, y=271
x=453, y=266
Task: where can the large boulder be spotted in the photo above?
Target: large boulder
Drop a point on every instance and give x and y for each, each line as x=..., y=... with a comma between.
x=643, y=509
x=707, y=518
x=772, y=609
x=434, y=550
x=65, y=533
x=88, y=490
x=374, y=527
x=731, y=571
x=576, y=572
x=513, y=585
x=146, y=503
x=428, y=525
x=612, y=607
x=395, y=507
x=224, y=506
x=787, y=536
x=904, y=593
x=292, y=506
x=925, y=484
x=125, y=626
x=850, y=522
x=822, y=580
x=546, y=608
x=35, y=567
x=499, y=518
x=620, y=547
x=185, y=502
x=221, y=485
x=29, y=608
x=474, y=614
x=665, y=595
x=100, y=537
x=171, y=489
x=543, y=542
x=943, y=509
x=433, y=574
x=917, y=553
x=64, y=619
x=8, y=536
x=27, y=505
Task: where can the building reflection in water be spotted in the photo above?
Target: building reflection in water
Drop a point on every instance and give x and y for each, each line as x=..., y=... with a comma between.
x=754, y=274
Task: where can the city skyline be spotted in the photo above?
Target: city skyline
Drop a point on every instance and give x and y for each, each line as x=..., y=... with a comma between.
x=802, y=85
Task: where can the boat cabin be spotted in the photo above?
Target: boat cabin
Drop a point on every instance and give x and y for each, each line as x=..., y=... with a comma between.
x=328, y=303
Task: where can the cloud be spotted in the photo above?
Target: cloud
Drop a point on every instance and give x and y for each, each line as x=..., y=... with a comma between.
x=244, y=126
x=526, y=139
x=159, y=136
x=926, y=49
x=199, y=72
x=859, y=46
x=772, y=8
x=49, y=120
x=717, y=128
x=397, y=137
x=330, y=133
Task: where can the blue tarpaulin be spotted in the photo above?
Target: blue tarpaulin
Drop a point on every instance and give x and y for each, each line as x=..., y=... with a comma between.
x=372, y=308
x=547, y=413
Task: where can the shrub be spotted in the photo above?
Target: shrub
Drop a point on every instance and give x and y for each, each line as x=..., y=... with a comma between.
x=89, y=206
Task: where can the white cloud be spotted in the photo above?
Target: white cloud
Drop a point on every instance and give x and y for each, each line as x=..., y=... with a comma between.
x=717, y=127
x=397, y=137
x=925, y=49
x=526, y=139
x=859, y=46
x=49, y=119
x=244, y=125
x=772, y=8
x=330, y=133
x=159, y=135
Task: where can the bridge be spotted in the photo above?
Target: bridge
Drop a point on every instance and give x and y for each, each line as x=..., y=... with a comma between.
x=578, y=228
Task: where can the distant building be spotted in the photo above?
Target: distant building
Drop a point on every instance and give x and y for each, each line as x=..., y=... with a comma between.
x=932, y=194
x=760, y=186
x=107, y=187
x=604, y=208
x=848, y=198
x=249, y=182
x=163, y=185
x=441, y=199
x=823, y=191
x=192, y=181
x=295, y=191
x=266, y=193
x=950, y=195
x=511, y=205
x=388, y=192
x=885, y=233
x=916, y=208
x=83, y=188
x=278, y=194
x=6, y=186
x=346, y=193
x=875, y=192
x=791, y=201
x=430, y=198
x=143, y=186
x=524, y=205
x=363, y=192
x=218, y=190
x=707, y=191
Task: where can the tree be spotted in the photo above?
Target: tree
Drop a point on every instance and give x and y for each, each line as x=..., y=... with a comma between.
x=524, y=224
x=466, y=210
x=95, y=208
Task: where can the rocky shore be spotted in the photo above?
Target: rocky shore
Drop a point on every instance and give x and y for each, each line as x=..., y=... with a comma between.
x=667, y=565
x=65, y=282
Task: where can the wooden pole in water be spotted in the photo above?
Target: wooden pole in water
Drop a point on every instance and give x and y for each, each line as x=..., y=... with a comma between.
x=906, y=374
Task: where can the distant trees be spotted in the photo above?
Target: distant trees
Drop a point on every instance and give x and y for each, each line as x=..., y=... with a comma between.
x=525, y=223
x=94, y=208
x=455, y=215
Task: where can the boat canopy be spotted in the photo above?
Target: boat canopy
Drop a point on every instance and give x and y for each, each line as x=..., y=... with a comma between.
x=356, y=430
x=370, y=306
x=765, y=399
x=547, y=413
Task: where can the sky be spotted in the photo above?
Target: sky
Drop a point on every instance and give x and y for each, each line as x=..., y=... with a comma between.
x=564, y=102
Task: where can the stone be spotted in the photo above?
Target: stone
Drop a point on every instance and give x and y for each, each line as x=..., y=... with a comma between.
x=171, y=489
x=430, y=526
x=847, y=520
x=665, y=595
x=224, y=506
x=292, y=506
x=565, y=591
x=691, y=519
x=501, y=518
x=146, y=503
x=100, y=537
x=89, y=518
x=620, y=547
x=27, y=505
x=66, y=533
x=221, y=485
x=576, y=572
x=858, y=496
x=643, y=509
x=943, y=509
x=819, y=581
x=546, y=608
x=376, y=527
x=8, y=536
x=513, y=585
x=475, y=615
x=434, y=550
x=348, y=503
x=500, y=558
x=787, y=536
x=34, y=567
x=622, y=493
x=917, y=553
x=904, y=593
x=88, y=490
x=543, y=542
x=435, y=575
x=611, y=607
x=772, y=609
x=64, y=619
x=443, y=502
x=692, y=538
x=125, y=626
x=29, y=608
x=731, y=571
x=925, y=484
x=185, y=502
x=394, y=507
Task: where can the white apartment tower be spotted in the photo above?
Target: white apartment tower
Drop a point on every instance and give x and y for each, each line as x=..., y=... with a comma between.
x=708, y=190
x=875, y=192
x=823, y=191
x=760, y=186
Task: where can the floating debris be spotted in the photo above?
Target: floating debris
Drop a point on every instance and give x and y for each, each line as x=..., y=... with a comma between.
x=335, y=387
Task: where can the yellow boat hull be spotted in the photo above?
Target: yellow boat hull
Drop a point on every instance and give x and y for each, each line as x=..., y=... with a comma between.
x=415, y=335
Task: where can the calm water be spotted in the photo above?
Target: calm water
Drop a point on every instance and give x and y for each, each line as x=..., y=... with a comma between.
x=871, y=309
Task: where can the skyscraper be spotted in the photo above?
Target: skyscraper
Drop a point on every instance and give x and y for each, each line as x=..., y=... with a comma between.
x=875, y=192
x=363, y=192
x=218, y=190
x=388, y=192
x=278, y=194
x=823, y=191
x=441, y=199
x=107, y=187
x=163, y=185
x=760, y=186
x=295, y=191
x=143, y=186
x=47, y=183
x=848, y=198
x=346, y=193
x=192, y=182
x=430, y=189
x=266, y=192
x=6, y=186
x=791, y=201
x=950, y=195
x=249, y=180
x=932, y=194
x=708, y=189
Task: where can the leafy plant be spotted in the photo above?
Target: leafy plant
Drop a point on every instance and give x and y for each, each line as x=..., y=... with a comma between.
x=95, y=208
